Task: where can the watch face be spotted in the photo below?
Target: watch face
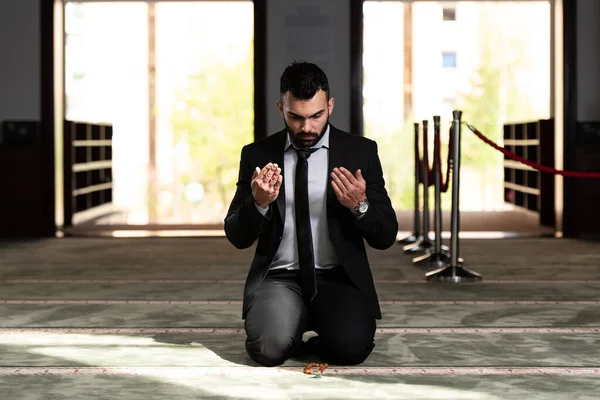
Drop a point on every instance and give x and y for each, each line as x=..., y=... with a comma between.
x=362, y=207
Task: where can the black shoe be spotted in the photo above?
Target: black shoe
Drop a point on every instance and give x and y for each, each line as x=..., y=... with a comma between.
x=307, y=349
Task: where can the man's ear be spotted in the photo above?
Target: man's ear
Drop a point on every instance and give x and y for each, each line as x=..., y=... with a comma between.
x=280, y=107
x=330, y=105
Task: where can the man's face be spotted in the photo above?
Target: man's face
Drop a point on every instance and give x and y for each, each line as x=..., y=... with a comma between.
x=305, y=120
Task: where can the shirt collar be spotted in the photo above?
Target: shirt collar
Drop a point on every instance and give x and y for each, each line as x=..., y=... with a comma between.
x=324, y=142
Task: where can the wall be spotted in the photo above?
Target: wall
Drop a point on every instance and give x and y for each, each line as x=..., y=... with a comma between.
x=588, y=60
x=582, y=105
x=315, y=31
x=20, y=67
x=26, y=141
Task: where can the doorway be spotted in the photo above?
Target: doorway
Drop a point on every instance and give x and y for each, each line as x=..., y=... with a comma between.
x=490, y=59
x=175, y=80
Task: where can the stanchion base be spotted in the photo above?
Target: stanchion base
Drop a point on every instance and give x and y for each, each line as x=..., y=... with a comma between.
x=453, y=274
x=437, y=260
x=412, y=238
x=423, y=244
x=440, y=259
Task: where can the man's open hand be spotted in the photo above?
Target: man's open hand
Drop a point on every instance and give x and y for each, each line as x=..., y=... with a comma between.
x=265, y=184
x=348, y=188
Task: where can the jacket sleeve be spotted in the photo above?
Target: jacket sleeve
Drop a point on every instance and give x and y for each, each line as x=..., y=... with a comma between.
x=244, y=223
x=379, y=225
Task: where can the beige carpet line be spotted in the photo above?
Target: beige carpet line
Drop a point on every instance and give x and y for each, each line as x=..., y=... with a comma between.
x=333, y=371
x=239, y=302
x=241, y=281
x=239, y=331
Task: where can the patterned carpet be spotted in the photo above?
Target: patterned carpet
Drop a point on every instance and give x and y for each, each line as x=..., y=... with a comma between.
x=159, y=318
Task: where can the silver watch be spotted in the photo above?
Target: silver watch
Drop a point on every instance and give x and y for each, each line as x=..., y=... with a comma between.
x=362, y=207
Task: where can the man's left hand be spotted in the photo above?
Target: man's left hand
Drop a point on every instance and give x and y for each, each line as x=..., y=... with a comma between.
x=349, y=189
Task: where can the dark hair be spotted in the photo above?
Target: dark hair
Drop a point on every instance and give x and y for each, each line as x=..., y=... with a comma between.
x=303, y=80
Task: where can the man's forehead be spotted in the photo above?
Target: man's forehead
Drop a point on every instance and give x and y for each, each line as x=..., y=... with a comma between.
x=306, y=111
x=311, y=106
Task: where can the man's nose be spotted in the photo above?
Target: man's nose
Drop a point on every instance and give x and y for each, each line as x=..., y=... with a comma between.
x=306, y=127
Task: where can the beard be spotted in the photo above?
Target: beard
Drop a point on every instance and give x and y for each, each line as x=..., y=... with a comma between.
x=304, y=140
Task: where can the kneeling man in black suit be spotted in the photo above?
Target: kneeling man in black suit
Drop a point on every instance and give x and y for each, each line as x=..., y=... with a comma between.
x=312, y=195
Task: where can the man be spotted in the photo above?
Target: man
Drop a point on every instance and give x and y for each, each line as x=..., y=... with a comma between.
x=310, y=194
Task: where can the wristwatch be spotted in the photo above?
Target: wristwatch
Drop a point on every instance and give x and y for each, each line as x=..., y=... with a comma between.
x=361, y=207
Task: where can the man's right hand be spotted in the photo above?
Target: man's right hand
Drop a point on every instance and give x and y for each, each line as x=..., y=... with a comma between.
x=265, y=184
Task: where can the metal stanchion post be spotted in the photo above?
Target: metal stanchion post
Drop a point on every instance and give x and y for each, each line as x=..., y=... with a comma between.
x=415, y=236
x=425, y=243
x=440, y=255
x=454, y=272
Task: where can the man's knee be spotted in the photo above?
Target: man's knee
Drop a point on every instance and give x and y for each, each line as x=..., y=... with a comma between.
x=270, y=350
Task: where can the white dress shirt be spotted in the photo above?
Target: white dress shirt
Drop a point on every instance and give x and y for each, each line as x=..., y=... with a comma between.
x=318, y=173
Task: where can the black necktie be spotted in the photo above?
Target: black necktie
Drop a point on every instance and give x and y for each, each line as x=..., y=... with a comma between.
x=303, y=232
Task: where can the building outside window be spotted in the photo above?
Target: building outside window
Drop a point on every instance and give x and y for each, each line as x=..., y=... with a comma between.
x=449, y=59
x=449, y=13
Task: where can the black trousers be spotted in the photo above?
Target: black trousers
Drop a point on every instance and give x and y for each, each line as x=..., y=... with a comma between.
x=277, y=317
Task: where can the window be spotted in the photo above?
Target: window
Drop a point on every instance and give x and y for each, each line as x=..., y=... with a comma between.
x=185, y=185
x=449, y=59
x=449, y=14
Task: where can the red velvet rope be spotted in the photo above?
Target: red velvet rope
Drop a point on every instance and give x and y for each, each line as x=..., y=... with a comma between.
x=437, y=150
x=437, y=154
x=531, y=163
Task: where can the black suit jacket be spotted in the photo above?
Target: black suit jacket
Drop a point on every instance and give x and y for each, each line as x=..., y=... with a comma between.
x=244, y=224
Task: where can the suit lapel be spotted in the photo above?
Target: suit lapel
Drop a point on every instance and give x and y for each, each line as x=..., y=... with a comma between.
x=276, y=156
x=336, y=156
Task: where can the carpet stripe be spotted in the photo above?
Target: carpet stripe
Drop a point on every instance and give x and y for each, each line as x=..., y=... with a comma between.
x=238, y=302
x=241, y=281
x=117, y=281
x=239, y=331
x=332, y=371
